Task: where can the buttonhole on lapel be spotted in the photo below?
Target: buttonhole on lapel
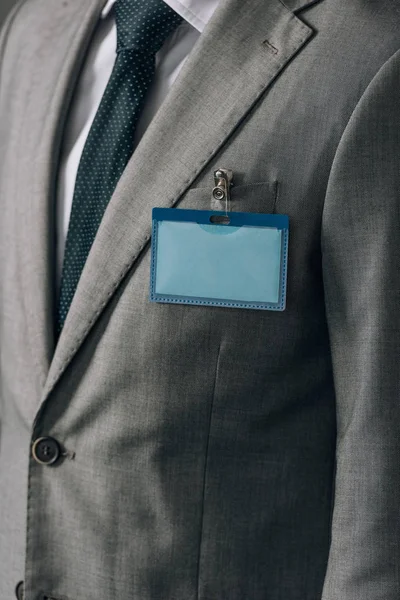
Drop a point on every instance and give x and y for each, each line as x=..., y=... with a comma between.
x=271, y=47
x=220, y=219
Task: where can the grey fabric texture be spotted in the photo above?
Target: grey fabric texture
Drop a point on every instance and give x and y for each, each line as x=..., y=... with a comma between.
x=5, y=9
x=210, y=453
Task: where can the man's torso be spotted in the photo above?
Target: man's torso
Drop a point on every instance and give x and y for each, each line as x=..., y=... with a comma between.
x=200, y=441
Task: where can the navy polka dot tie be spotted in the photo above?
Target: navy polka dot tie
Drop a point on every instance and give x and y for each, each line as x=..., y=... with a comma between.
x=142, y=28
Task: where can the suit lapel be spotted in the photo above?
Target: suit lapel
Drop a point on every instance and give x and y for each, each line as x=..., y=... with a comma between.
x=64, y=39
x=240, y=53
x=297, y=5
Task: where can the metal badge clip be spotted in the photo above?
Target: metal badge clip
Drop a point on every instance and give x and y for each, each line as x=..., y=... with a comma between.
x=223, y=180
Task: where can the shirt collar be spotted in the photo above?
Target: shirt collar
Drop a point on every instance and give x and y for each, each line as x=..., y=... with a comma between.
x=196, y=12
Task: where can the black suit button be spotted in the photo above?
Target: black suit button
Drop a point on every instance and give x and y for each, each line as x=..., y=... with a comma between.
x=46, y=451
x=19, y=591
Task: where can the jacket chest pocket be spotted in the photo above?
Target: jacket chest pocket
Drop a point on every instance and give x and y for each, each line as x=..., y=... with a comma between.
x=253, y=198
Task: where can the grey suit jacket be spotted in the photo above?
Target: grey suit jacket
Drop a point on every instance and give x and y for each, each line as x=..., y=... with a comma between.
x=209, y=453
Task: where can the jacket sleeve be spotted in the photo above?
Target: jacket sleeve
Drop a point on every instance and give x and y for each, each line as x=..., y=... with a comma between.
x=4, y=32
x=361, y=268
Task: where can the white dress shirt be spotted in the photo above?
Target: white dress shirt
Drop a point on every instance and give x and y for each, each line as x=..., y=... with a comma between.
x=92, y=84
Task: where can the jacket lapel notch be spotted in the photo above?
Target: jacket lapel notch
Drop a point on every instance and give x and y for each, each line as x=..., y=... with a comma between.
x=242, y=50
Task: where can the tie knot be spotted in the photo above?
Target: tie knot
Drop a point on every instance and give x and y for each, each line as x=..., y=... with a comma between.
x=144, y=25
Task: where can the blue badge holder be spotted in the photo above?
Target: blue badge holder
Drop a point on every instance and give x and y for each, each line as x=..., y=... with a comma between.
x=235, y=260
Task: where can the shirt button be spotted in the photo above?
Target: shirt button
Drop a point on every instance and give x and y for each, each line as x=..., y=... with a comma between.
x=19, y=591
x=46, y=451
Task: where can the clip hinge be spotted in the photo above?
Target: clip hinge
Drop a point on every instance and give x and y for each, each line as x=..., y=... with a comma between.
x=223, y=180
